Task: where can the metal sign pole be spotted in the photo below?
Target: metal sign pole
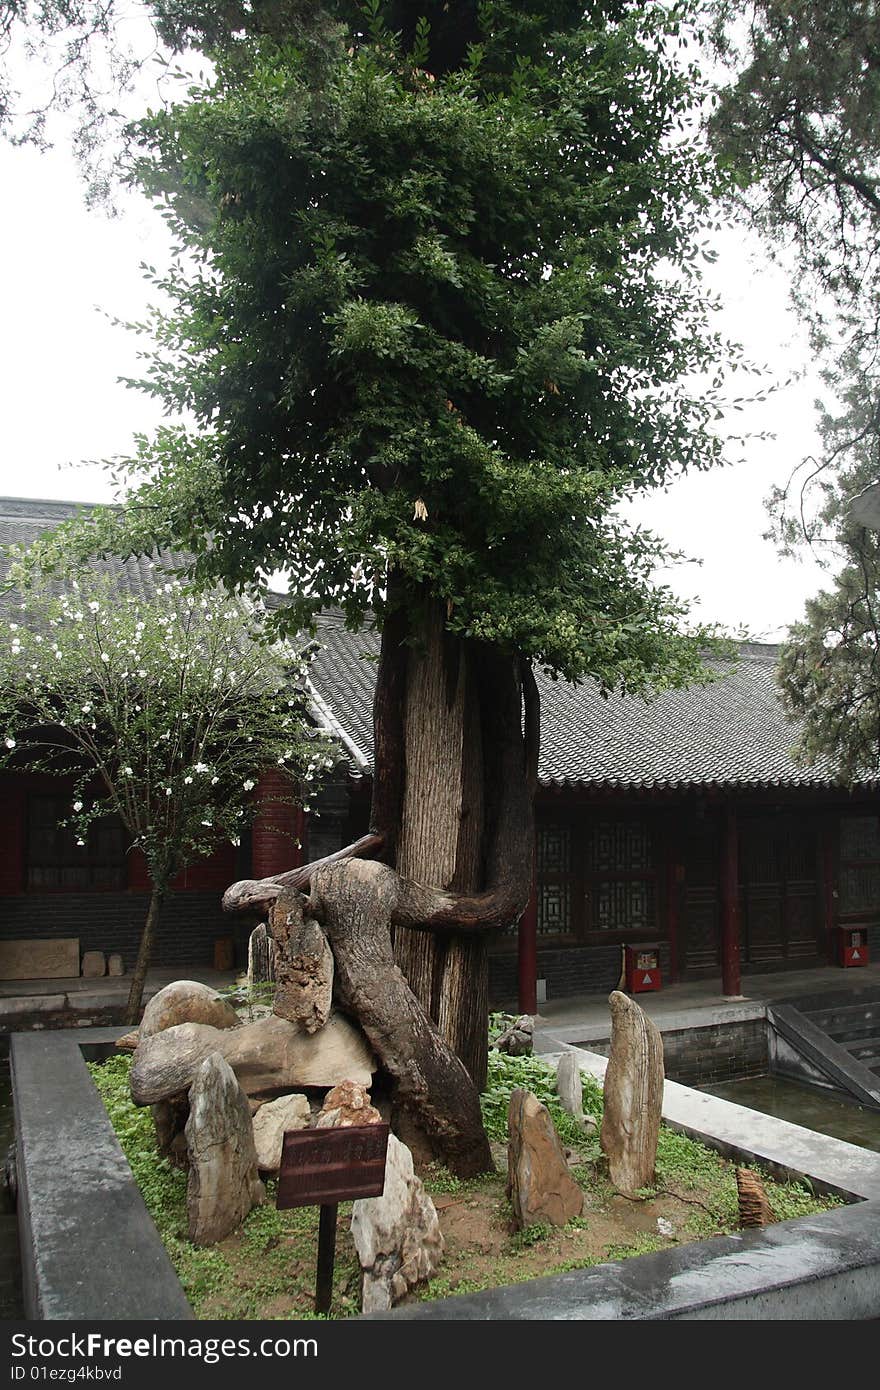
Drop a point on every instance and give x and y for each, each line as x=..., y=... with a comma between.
x=326, y=1256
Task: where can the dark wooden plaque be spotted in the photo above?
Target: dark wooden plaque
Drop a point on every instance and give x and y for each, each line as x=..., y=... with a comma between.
x=320, y=1167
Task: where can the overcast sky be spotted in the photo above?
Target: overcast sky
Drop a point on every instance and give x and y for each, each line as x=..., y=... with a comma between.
x=69, y=272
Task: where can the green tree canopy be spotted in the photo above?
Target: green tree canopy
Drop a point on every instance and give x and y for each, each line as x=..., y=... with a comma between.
x=440, y=324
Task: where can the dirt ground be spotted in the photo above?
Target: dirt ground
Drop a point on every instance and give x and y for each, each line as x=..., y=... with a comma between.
x=273, y=1269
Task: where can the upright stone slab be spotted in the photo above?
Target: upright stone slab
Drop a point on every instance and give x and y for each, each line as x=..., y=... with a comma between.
x=539, y=1185
x=115, y=965
x=223, y=1183
x=569, y=1086
x=397, y=1236
x=94, y=965
x=570, y=1089
x=633, y=1096
x=304, y=967
x=262, y=953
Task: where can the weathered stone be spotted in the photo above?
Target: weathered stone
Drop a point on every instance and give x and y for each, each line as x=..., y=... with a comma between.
x=223, y=1184
x=186, y=1001
x=271, y=1123
x=169, y=1121
x=262, y=955
x=754, y=1209
x=569, y=1085
x=345, y=1105
x=269, y=1055
x=539, y=1185
x=115, y=965
x=517, y=1040
x=94, y=965
x=633, y=1096
x=129, y=1041
x=40, y=960
x=304, y=969
x=397, y=1236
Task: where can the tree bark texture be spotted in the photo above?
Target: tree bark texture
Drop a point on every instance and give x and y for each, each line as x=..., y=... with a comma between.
x=456, y=735
x=440, y=839
x=356, y=903
x=145, y=952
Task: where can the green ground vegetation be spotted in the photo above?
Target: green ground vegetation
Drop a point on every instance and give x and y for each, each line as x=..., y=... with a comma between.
x=266, y=1270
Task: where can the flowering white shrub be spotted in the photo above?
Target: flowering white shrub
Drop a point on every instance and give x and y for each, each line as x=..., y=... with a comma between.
x=164, y=710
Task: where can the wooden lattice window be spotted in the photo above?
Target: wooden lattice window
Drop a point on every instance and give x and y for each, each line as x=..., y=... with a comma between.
x=56, y=863
x=554, y=880
x=859, y=884
x=620, y=877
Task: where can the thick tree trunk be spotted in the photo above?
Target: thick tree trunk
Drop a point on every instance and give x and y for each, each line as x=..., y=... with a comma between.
x=356, y=904
x=456, y=737
x=440, y=838
x=145, y=952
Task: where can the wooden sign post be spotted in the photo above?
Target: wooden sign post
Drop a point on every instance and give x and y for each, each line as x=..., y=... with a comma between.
x=323, y=1167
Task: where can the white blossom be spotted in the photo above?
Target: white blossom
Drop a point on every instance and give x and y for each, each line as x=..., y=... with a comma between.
x=248, y=784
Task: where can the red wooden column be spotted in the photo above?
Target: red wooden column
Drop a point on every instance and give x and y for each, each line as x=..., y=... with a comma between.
x=527, y=947
x=275, y=828
x=730, y=973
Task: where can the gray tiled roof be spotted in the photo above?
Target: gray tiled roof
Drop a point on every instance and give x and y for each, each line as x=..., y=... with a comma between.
x=732, y=732
x=24, y=519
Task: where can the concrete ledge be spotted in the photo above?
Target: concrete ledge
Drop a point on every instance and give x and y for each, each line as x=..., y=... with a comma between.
x=821, y=1268
x=89, y=1247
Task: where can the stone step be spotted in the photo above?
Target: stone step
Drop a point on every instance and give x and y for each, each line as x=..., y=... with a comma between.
x=843, y=1016
x=855, y=1032
x=864, y=1049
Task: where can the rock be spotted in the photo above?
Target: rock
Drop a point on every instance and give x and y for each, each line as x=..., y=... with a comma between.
x=569, y=1085
x=633, y=1096
x=754, y=1209
x=517, y=1040
x=169, y=1121
x=397, y=1236
x=115, y=965
x=223, y=1184
x=129, y=1041
x=271, y=1123
x=269, y=1055
x=347, y=1104
x=186, y=1001
x=303, y=966
x=539, y=1185
x=94, y=965
x=262, y=955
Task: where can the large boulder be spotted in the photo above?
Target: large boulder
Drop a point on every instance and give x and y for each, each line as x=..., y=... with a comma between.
x=539, y=1185
x=397, y=1236
x=223, y=1184
x=186, y=1001
x=272, y=1054
x=633, y=1096
x=271, y=1123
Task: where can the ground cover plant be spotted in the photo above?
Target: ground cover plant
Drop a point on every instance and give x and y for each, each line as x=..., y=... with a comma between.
x=267, y=1268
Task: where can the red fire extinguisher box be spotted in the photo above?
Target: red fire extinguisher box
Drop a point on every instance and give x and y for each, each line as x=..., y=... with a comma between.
x=852, y=946
x=642, y=967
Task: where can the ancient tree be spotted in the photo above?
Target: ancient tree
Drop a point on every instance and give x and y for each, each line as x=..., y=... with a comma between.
x=434, y=316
